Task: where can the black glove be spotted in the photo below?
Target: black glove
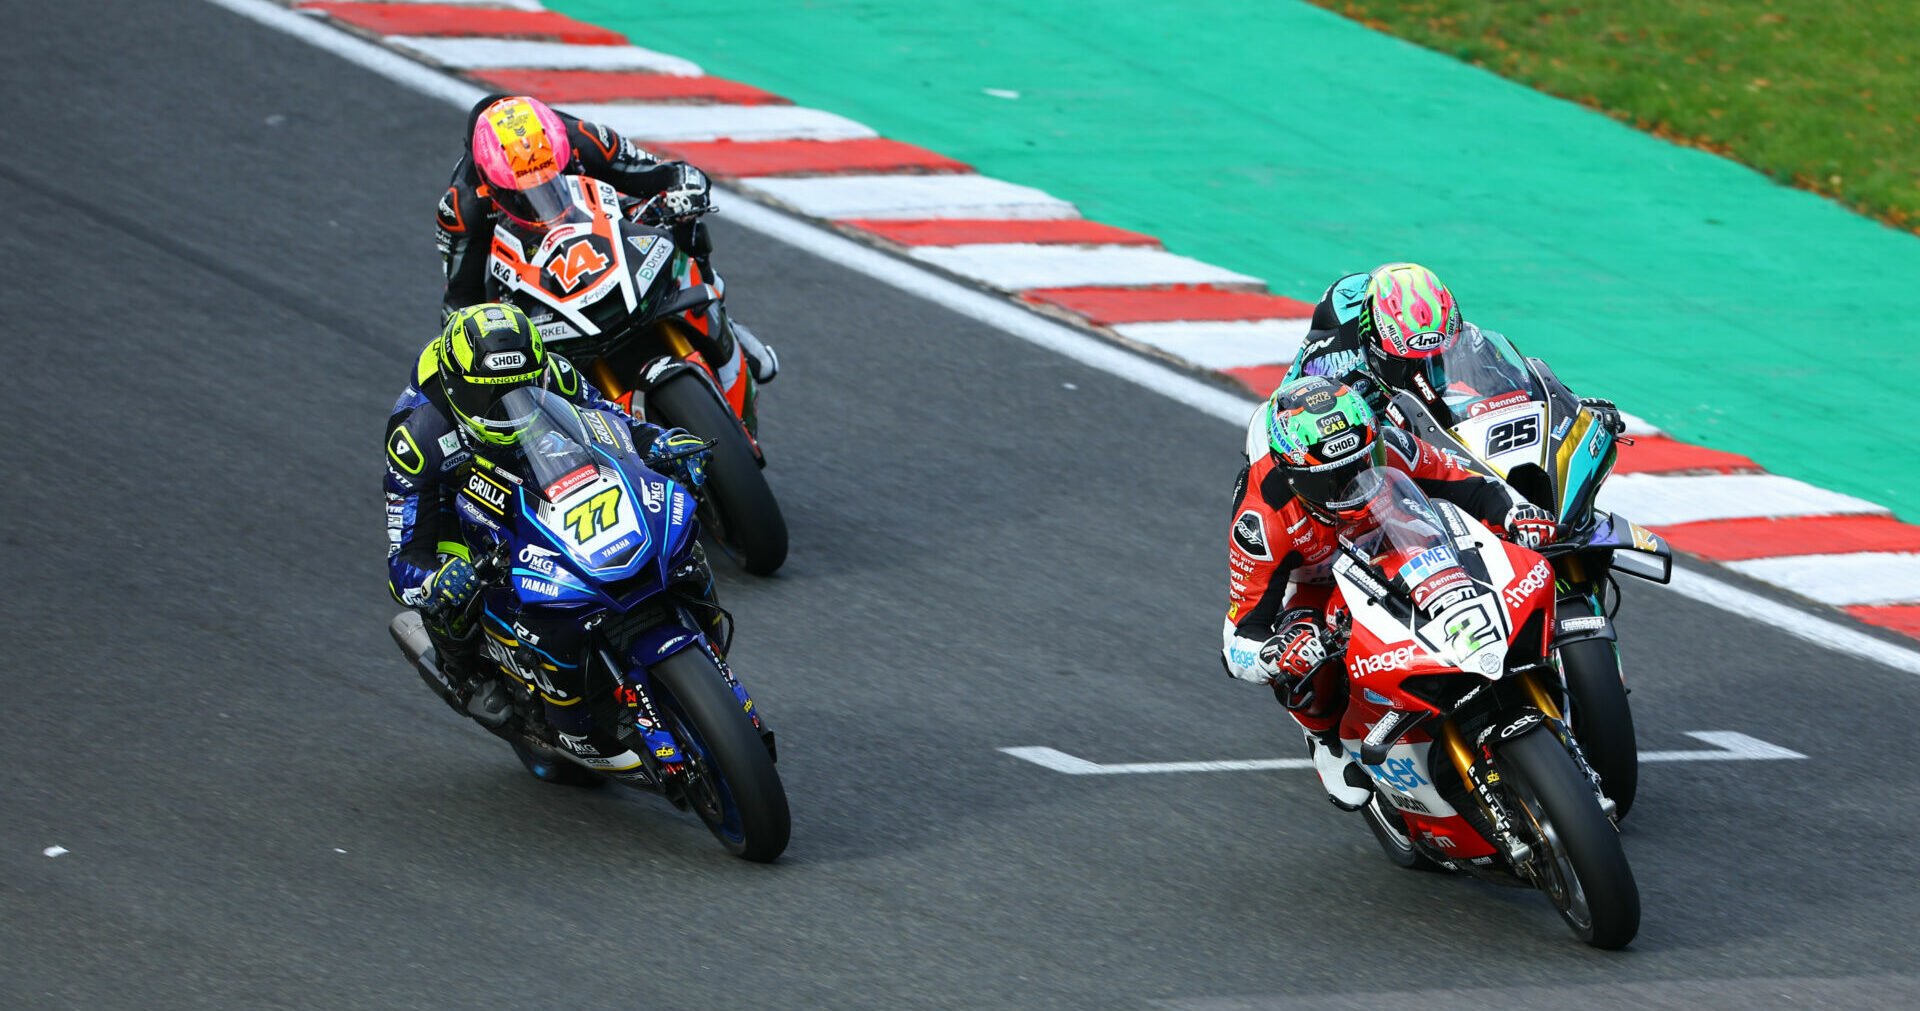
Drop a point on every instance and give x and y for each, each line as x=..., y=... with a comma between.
x=690, y=194
x=1605, y=413
x=1371, y=390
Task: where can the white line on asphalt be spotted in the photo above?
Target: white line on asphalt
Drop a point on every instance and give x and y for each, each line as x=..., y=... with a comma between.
x=1728, y=746
x=995, y=311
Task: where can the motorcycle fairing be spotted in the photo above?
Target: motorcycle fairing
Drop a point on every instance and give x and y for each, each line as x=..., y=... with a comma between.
x=579, y=264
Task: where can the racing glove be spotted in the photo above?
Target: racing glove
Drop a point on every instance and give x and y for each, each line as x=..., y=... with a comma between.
x=450, y=589
x=1530, y=526
x=692, y=468
x=1605, y=413
x=1291, y=656
x=690, y=193
x=1370, y=389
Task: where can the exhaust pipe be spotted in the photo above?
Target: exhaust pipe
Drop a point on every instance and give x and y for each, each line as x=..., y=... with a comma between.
x=410, y=634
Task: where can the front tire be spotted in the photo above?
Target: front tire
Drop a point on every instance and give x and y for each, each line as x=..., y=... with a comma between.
x=734, y=787
x=743, y=516
x=1581, y=865
x=1602, y=719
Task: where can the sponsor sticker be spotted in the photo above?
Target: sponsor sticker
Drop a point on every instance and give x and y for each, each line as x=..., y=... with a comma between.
x=1540, y=575
x=493, y=495
x=1501, y=402
x=1392, y=659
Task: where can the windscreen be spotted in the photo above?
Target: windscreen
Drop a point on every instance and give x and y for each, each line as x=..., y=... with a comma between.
x=1393, y=524
x=1480, y=372
x=552, y=441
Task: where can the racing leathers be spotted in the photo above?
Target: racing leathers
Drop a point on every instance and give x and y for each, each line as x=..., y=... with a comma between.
x=426, y=449
x=1280, y=558
x=1332, y=348
x=465, y=218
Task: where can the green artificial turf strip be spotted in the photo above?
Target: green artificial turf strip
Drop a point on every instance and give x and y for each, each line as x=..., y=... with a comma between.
x=1821, y=94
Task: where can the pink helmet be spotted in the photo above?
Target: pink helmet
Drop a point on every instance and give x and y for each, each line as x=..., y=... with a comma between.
x=520, y=147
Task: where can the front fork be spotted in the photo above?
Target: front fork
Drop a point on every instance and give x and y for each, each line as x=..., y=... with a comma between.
x=1477, y=771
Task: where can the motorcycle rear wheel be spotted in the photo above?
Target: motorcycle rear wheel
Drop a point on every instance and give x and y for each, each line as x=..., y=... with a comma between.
x=733, y=785
x=742, y=515
x=1602, y=719
x=1584, y=868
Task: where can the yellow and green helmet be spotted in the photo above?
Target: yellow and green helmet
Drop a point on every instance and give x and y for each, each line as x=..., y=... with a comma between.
x=486, y=352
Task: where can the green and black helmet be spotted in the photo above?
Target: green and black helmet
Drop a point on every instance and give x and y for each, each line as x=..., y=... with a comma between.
x=487, y=351
x=1321, y=435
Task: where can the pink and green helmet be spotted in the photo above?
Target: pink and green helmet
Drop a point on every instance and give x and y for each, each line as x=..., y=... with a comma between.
x=1408, y=313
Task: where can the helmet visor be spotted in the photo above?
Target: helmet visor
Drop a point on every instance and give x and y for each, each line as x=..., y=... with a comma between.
x=1327, y=486
x=541, y=205
x=485, y=405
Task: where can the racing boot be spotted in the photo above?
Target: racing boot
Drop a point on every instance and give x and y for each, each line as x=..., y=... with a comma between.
x=1347, y=785
x=760, y=358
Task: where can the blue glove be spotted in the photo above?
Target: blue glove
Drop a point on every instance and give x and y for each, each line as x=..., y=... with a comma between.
x=691, y=469
x=452, y=587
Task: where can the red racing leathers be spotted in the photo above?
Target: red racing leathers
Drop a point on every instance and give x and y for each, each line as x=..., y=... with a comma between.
x=1280, y=555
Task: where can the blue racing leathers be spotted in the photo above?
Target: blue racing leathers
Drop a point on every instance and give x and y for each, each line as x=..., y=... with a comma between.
x=425, y=451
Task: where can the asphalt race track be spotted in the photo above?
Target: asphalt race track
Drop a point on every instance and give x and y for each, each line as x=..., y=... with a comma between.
x=219, y=266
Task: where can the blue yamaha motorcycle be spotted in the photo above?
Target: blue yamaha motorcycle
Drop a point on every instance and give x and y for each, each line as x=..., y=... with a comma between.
x=598, y=618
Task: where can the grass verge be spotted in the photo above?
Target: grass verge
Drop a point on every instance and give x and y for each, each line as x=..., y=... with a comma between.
x=1818, y=94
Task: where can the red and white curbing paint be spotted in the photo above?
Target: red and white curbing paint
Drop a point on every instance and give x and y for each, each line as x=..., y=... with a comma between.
x=1719, y=506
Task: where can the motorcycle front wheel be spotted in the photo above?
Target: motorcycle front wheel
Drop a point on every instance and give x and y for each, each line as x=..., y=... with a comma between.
x=1602, y=719
x=1578, y=860
x=742, y=515
x=730, y=780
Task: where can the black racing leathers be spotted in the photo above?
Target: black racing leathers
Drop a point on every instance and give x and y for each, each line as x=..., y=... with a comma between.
x=425, y=451
x=465, y=219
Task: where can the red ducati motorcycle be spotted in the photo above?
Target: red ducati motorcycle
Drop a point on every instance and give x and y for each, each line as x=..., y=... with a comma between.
x=1456, y=708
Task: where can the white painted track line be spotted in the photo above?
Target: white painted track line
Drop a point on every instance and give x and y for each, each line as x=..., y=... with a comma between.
x=521, y=54
x=1725, y=746
x=644, y=122
x=1016, y=321
x=907, y=197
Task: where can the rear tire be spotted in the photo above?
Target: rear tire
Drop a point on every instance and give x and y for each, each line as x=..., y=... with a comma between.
x=1602, y=719
x=1390, y=829
x=743, y=516
x=746, y=807
x=1584, y=869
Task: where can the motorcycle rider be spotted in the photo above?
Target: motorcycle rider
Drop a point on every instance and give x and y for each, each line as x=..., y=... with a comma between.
x=1379, y=332
x=443, y=417
x=517, y=148
x=1320, y=434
